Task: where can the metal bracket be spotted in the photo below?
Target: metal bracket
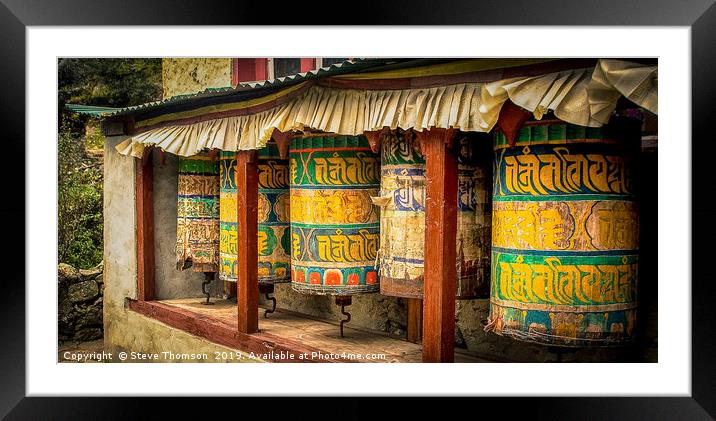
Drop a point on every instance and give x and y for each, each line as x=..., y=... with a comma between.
x=208, y=276
x=344, y=301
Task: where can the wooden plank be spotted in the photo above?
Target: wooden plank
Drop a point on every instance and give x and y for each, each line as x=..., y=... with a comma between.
x=234, y=72
x=283, y=142
x=144, y=201
x=275, y=348
x=415, y=320
x=247, y=286
x=440, y=251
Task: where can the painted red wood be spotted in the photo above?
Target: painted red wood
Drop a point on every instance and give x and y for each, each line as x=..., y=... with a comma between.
x=247, y=288
x=283, y=142
x=511, y=119
x=248, y=70
x=415, y=320
x=308, y=64
x=375, y=137
x=144, y=201
x=440, y=233
x=225, y=333
x=261, y=68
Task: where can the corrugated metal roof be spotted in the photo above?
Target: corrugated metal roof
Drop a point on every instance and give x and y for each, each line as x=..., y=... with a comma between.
x=255, y=89
x=91, y=110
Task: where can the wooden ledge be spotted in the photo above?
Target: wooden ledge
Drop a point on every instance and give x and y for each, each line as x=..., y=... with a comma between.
x=226, y=334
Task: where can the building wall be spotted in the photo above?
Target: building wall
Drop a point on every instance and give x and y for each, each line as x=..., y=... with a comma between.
x=191, y=75
x=125, y=330
x=371, y=311
x=169, y=282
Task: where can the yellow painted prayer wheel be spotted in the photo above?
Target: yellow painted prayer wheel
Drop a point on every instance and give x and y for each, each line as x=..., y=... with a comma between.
x=334, y=225
x=565, y=234
x=274, y=258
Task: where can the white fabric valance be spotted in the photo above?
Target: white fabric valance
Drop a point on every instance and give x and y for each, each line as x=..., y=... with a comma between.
x=584, y=97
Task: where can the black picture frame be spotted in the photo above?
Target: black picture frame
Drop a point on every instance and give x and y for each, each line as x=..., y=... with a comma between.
x=15, y=15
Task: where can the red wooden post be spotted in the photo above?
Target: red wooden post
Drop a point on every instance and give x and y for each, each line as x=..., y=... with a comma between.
x=247, y=286
x=144, y=201
x=440, y=234
x=414, y=329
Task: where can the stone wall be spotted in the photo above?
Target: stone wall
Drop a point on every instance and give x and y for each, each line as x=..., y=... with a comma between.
x=191, y=75
x=80, y=300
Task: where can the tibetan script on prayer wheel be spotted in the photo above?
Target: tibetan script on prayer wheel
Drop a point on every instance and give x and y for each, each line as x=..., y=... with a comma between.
x=334, y=226
x=565, y=235
x=274, y=251
x=197, y=243
x=403, y=217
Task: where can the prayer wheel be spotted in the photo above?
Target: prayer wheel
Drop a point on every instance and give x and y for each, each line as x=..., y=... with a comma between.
x=334, y=225
x=402, y=232
x=565, y=234
x=273, y=218
x=197, y=243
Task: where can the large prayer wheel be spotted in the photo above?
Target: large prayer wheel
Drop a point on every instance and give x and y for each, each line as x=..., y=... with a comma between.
x=334, y=225
x=565, y=234
x=273, y=218
x=197, y=244
x=402, y=235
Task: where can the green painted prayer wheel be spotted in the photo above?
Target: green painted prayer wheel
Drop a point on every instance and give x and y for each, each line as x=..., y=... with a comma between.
x=334, y=225
x=273, y=217
x=565, y=234
x=197, y=245
x=402, y=234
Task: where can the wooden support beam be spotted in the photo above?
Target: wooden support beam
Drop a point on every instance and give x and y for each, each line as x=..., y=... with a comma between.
x=144, y=208
x=283, y=142
x=440, y=233
x=511, y=120
x=375, y=138
x=247, y=286
x=415, y=320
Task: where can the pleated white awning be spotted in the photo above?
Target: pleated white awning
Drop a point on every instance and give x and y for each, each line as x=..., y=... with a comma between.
x=584, y=97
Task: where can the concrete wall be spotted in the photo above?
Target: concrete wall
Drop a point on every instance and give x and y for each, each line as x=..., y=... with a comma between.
x=191, y=75
x=146, y=335
x=372, y=311
x=170, y=282
x=125, y=330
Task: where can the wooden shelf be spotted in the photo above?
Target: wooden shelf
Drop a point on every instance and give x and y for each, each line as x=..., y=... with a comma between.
x=285, y=331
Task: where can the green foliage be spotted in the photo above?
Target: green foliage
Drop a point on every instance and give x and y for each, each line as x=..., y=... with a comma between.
x=79, y=204
x=93, y=135
x=110, y=82
x=90, y=81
